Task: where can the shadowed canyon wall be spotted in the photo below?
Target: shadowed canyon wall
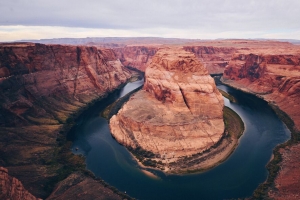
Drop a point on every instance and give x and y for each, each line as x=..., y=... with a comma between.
x=42, y=89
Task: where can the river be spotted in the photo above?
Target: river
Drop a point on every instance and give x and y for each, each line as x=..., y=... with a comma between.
x=237, y=177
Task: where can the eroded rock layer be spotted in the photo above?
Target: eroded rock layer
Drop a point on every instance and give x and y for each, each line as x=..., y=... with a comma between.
x=288, y=180
x=177, y=113
x=275, y=78
x=40, y=81
x=136, y=56
x=215, y=59
x=41, y=87
x=11, y=188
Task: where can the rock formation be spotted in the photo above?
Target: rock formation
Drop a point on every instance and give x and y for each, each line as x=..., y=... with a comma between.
x=60, y=78
x=79, y=186
x=136, y=56
x=275, y=78
x=288, y=180
x=42, y=86
x=178, y=112
x=215, y=59
x=11, y=188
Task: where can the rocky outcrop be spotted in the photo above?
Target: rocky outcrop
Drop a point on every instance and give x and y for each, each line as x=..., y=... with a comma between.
x=275, y=78
x=215, y=59
x=288, y=180
x=137, y=57
x=42, y=88
x=11, y=188
x=178, y=113
x=79, y=186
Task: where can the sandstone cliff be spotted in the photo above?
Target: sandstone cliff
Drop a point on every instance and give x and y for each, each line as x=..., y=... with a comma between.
x=177, y=114
x=11, y=188
x=42, y=86
x=136, y=56
x=275, y=78
x=214, y=59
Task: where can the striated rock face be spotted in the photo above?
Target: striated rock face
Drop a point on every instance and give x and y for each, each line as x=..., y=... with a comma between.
x=288, y=180
x=275, y=78
x=38, y=81
x=214, y=59
x=79, y=186
x=136, y=56
x=178, y=113
x=11, y=188
x=42, y=86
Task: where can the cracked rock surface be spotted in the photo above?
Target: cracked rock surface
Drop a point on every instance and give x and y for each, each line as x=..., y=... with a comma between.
x=178, y=113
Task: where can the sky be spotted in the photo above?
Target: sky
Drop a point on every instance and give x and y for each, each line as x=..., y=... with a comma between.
x=194, y=19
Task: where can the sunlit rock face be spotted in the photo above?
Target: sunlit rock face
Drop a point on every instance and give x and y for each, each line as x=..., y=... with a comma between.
x=274, y=77
x=11, y=188
x=179, y=111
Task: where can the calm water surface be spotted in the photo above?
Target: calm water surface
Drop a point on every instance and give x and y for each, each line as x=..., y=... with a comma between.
x=237, y=177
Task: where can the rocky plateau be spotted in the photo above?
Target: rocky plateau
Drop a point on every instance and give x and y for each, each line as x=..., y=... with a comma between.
x=178, y=113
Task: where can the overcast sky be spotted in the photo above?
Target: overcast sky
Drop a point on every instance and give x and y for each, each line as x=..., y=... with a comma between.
x=201, y=19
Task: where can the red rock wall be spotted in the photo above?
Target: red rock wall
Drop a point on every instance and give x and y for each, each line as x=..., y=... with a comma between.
x=32, y=75
x=276, y=78
x=214, y=59
x=41, y=86
x=12, y=189
x=136, y=56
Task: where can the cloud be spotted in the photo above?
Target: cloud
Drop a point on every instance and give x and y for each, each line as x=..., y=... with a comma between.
x=136, y=16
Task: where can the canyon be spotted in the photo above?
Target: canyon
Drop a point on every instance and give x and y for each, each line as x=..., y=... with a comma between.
x=275, y=77
x=178, y=113
x=215, y=55
x=43, y=88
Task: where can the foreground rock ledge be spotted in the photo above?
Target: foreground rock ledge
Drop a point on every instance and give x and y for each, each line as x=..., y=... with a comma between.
x=178, y=113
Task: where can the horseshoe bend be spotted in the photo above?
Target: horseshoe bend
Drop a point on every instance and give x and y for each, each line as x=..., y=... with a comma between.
x=177, y=115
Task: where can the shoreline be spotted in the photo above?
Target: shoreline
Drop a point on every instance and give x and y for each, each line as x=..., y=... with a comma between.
x=273, y=166
x=209, y=159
